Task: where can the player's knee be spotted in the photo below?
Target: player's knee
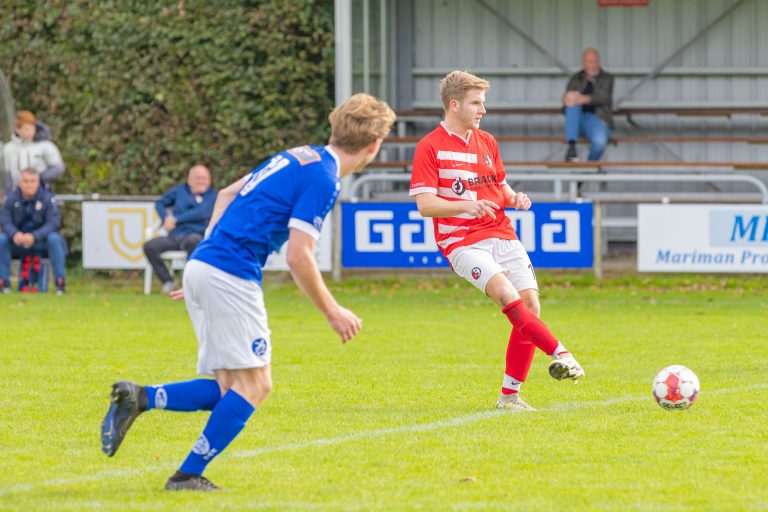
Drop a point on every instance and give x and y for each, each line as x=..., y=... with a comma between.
x=500, y=290
x=259, y=392
x=224, y=387
x=531, y=301
x=258, y=388
x=263, y=386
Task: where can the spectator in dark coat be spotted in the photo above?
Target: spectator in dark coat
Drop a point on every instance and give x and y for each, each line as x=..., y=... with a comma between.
x=588, y=105
x=31, y=222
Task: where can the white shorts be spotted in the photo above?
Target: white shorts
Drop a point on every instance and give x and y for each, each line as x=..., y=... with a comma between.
x=479, y=262
x=229, y=318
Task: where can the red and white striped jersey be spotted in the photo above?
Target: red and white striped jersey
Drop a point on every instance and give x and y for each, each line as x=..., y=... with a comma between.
x=455, y=169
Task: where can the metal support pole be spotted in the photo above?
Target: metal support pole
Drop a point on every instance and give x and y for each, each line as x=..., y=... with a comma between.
x=366, y=46
x=597, y=242
x=336, y=245
x=573, y=191
x=383, y=68
x=7, y=116
x=343, y=34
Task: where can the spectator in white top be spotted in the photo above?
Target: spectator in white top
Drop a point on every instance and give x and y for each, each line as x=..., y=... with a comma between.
x=24, y=152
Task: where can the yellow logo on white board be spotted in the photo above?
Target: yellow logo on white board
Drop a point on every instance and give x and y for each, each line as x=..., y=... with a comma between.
x=127, y=226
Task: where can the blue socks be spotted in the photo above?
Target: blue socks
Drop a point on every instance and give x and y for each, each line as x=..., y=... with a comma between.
x=228, y=418
x=192, y=395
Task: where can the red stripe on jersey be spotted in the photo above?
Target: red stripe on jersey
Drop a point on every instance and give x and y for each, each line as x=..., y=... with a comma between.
x=462, y=170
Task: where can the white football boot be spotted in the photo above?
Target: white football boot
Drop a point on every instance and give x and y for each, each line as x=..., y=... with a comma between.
x=564, y=366
x=513, y=402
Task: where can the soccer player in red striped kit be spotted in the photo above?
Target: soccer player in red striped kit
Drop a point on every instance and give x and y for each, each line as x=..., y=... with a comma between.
x=459, y=180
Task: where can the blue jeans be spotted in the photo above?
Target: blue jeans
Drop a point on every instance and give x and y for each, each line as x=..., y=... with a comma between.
x=578, y=123
x=53, y=245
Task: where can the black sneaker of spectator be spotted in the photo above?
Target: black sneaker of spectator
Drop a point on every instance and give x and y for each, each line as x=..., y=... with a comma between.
x=571, y=155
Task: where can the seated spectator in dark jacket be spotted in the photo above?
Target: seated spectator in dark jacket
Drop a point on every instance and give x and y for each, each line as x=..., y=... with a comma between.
x=588, y=104
x=31, y=222
x=191, y=205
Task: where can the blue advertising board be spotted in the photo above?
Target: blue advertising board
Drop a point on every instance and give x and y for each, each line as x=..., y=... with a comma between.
x=394, y=235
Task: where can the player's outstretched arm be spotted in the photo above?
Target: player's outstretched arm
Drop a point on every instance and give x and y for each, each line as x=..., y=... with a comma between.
x=301, y=261
x=223, y=198
x=432, y=206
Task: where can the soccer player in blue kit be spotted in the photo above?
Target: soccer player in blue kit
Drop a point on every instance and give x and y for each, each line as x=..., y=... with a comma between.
x=286, y=199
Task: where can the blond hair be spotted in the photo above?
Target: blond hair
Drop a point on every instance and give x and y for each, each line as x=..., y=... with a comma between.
x=360, y=120
x=456, y=84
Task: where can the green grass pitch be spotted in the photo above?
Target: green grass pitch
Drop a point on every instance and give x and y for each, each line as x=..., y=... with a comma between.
x=401, y=418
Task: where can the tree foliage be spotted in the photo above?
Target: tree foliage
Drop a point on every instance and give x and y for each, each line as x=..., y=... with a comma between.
x=137, y=92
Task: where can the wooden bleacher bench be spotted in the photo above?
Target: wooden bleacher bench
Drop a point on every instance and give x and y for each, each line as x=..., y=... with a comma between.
x=691, y=109
x=642, y=164
x=614, y=139
x=679, y=110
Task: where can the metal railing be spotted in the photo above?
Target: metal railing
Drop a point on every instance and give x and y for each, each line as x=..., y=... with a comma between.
x=574, y=179
x=359, y=191
x=79, y=198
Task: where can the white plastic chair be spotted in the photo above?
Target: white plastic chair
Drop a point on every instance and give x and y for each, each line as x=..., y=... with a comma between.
x=175, y=259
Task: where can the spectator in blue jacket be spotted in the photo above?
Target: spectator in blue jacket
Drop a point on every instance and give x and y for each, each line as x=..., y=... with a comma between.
x=31, y=222
x=191, y=206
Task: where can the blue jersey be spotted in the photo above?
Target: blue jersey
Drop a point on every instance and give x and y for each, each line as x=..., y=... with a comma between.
x=294, y=189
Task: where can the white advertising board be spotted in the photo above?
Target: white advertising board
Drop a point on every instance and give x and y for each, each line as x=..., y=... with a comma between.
x=702, y=238
x=113, y=233
x=113, y=237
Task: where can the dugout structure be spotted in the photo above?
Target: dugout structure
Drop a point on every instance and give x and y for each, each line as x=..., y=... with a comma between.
x=691, y=81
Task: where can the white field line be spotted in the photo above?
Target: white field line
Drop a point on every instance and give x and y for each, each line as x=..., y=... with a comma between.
x=329, y=441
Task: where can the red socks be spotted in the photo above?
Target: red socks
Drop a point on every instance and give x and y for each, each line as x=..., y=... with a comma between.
x=519, y=356
x=529, y=327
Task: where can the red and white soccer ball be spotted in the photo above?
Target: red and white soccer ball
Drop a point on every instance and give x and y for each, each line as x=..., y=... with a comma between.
x=676, y=387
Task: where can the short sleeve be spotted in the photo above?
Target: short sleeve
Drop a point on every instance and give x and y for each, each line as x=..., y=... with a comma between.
x=315, y=200
x=424, y=177
x=501, y=173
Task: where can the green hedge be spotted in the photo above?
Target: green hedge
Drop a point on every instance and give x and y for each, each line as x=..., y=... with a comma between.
x=137, y=92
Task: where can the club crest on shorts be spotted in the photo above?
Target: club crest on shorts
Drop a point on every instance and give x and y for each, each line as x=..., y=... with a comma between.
x=458, y=187
x=259, y=346
x=476, y=273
